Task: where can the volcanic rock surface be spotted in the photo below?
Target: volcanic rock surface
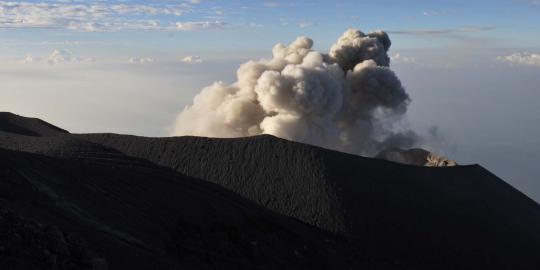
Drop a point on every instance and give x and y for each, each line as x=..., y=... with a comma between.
x=141, y=202
x=415, y=156
x=13, y=123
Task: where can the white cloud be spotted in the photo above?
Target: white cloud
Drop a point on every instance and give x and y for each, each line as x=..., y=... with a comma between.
x=61, y=56
x=271, y=4
x=202, y=25
x=141, y=60
x=57, y=56
x=63, y=43
x=148, y=10
x=115, y=26
x=399, y=58
x=28, y=59
x=87, y=16
x=256, y=25
x=192, y=59
x=433, y=13
x=526, y=59
x=305, y=24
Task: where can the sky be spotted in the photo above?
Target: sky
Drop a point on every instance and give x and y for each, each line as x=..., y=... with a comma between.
x=471, y=68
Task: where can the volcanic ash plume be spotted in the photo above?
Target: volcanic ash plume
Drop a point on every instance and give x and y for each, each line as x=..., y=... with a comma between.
x=348, y=99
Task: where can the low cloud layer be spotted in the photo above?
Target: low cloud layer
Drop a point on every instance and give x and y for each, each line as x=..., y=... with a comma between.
x=28, y=59
x=57, y=56
x=526, y=59
x=141, y=60
x=61, y=56
x=348, y=99
x=192, y=59
x=200, y=25
x=400, y=58
x=100, y=16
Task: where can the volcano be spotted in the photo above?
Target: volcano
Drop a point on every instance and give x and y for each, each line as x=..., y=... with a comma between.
x=98, y=201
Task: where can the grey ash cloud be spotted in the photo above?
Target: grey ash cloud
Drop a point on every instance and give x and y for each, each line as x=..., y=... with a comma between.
x=348, y=99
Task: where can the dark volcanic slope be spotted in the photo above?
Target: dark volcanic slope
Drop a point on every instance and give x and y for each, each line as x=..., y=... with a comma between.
x=13, y=123
x=112, y=190
x=25, y=244
x=445, y=218
x=133, y=217
x=415, y=156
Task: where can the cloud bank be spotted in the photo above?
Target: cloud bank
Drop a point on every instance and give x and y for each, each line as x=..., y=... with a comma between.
x=527, y=59
x=100, y=16
x=141, y=60
x=192, y=59
x=348, y=99
x=57, y=56
x=28, y=59
x=61, y=56
x=200, y=25
x=399, y=58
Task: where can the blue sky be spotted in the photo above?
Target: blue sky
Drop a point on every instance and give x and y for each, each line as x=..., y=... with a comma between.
x=471, y=68
x=251, y=25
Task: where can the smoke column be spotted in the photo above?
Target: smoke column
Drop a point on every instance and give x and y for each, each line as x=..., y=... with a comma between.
x=348, y=99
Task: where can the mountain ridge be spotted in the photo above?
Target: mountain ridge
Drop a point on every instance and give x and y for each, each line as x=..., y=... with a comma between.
x=13, y=123
x=375, y=213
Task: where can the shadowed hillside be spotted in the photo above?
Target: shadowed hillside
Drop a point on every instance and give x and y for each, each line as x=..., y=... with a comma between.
x=153, y=218
x=428, y=215
x=13, y=123
x=391, y=216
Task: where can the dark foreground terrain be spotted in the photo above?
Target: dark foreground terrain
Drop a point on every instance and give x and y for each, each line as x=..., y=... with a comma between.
x=106, y=201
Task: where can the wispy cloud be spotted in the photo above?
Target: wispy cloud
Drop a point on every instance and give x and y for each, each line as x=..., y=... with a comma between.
x=271, y=4
x=433, y=13
x=63, y=43
x=115, y=26
x=61, y=56
x=91, y=16
x=201, y=25
x=255, y=25
x=521, y=59
x=57, y=56
x=141, y=60
x=402, y=59
x=423, y=32
x=192, y=59
x=305, y=24
x=28, y=59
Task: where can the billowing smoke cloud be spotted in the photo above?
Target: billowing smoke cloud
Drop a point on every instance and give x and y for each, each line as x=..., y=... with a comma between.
x=348, y=99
